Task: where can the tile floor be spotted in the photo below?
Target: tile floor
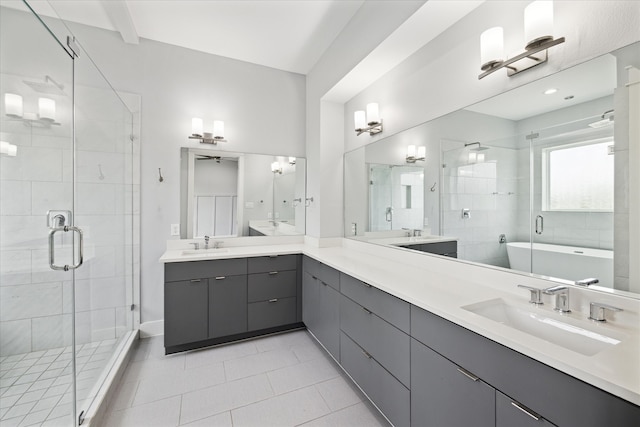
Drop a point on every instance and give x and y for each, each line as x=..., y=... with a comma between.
x=35, y=388
x=280, y=380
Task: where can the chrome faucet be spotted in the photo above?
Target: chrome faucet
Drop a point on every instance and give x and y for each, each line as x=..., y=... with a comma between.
x=417, y=232
x=587, y=282
x=536, y=294
x=206, y=242
x=596, y=311
x=562, y=297
x=196, y=245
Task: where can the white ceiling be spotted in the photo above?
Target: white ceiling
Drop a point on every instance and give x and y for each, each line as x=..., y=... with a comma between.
x=288, y=35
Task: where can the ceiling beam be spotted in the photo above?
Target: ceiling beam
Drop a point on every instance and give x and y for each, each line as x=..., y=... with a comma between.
x=120, y=17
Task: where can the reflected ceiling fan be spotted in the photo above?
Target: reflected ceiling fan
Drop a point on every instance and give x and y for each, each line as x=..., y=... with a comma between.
x=217, y=159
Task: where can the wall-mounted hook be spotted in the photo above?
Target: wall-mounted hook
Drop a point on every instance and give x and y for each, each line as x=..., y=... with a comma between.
x=160, y=175
x=433, y=187
x=297, y=201
x=100, y=174
x=308, y=201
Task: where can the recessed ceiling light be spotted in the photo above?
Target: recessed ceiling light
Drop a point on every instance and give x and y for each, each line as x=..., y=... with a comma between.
x=550, y=91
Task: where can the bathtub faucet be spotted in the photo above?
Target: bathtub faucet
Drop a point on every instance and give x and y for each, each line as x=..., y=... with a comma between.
x=587, y=282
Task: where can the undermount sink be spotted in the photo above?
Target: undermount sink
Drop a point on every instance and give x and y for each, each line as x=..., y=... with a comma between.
x=205, y=252
x=572, y=334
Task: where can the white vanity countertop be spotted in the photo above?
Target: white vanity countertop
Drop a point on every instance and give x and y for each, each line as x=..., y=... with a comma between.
x=443, y=286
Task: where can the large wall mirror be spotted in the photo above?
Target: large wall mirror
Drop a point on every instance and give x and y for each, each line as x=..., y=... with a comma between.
x=226, y=194
x=539, y=179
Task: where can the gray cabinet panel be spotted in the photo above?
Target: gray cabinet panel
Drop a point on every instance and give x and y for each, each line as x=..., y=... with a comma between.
x=328, y=322
x=440, y=248
x=268, y=314
x=200, y=269
x=330, y=276
x=387, y=344
x=266, y=264
x=442, y=395
x=185, y=312
x=227, y=306
x=560, y=398
x=310, y=297
x=276, y=284
x=311, y=266
x=511, y=413
x=390, y=308
x=383, y=389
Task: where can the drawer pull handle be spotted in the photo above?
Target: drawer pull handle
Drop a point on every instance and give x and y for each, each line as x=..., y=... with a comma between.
x=273, y=300
x=195, y=280
x=367, y=355
x=527, y=411
x=272, y=273
x=323, y=283
x=366, y=311
x=221, y=277
x=314, y=277
x=366, y=285
x=468, y=374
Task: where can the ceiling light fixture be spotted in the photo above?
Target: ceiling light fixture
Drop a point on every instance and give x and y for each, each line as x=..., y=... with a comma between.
x=538, y=30
x=197, y=132
x=414, y=155
x=371, y=122
x=550, y=91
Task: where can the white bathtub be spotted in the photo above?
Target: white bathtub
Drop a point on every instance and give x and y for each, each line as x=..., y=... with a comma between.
x=564, y=262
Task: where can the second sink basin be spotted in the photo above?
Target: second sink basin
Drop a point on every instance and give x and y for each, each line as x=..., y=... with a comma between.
x=572, y=334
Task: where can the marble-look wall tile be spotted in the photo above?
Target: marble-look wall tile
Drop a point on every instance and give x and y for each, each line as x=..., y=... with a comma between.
x=16, y=197
x=22, y=232
x=47, y=332
x=15, y=267
x=32, y=164
x=27, y=301
x=47, y=196
x=95, y=199
x=15, y=337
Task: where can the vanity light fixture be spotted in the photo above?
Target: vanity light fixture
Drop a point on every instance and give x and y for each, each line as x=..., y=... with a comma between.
x=46, y=116
x=8, y=150
x=197, y=131
x=538, y=31
x=276, y=168
x=414, y=155
x=371, y=122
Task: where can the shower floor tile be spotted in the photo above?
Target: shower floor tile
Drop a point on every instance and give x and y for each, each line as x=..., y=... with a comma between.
x=35, y=388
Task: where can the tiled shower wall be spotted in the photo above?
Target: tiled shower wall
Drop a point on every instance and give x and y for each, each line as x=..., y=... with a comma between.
x=35, y=301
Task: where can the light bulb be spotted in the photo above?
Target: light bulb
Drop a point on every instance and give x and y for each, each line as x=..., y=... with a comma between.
x=196, y=126
x=373, y=115
x=411, y=151
x=538, y=23
x=218, y=129
x=491, y=47
x=422, y=152
x=47, y=109
x=13, y=105
x=360, y=120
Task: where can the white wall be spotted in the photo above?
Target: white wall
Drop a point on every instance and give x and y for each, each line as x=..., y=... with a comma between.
x=263, y=110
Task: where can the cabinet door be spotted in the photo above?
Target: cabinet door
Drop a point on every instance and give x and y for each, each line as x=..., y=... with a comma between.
x=310, y=297
x=227, y=305
x=443, y=394
x=512, y=413
x=328, y=321
x=185, y=311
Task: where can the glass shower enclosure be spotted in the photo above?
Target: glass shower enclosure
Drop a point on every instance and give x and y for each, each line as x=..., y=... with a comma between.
x=66, y=223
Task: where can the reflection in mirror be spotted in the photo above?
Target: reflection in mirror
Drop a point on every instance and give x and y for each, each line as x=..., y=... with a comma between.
x=225, y=194
x=534, y=180
x=396, y=195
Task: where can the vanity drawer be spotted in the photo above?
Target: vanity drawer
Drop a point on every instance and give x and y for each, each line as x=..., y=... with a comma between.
x=276, y=284
x=387, y=344
x=392, y=309
x=383, y=389
x=177, y=271
x=275, y=312
x=323, y=272
x=265, y=264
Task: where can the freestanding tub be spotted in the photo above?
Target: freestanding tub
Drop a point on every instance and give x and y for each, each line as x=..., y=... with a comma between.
x=564, y=262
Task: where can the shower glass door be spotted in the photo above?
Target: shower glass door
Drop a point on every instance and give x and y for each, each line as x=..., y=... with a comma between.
x=396, y=197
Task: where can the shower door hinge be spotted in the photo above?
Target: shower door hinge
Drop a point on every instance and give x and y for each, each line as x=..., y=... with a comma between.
x=81, y=418
x=73, y=46
x=133, y=306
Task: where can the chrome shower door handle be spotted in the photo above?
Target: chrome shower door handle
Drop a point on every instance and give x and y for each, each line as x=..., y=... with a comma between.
x=539, y=224
x=389, y=214
x=52, y=251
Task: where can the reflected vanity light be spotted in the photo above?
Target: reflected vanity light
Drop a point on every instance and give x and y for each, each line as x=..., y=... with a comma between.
x=8, y=150
x=538, y=30
x=292, y=161
x=46, y=116
x=197, y=131
x=414, y=155
x=369, y=122
x=276, y=168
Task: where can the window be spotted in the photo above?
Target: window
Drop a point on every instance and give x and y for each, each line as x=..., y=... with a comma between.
x=578, y=177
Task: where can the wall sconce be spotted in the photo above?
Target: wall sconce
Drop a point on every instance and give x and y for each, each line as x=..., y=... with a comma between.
x=197, y=132
x=371, y=123
x=45, y=117
x=292, y=161
x=538, y=31
x=276, y=168
x=413, y=156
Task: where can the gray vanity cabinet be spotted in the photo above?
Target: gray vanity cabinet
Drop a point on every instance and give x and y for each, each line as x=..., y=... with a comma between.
x=227, y=305
x=321, y=304
x=449, y=249
x=443, y=394
x=185, y=311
